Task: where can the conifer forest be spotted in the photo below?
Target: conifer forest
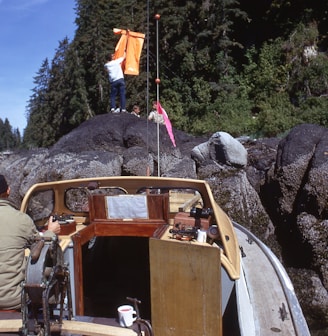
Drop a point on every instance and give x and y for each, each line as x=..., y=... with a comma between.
x=254, y=68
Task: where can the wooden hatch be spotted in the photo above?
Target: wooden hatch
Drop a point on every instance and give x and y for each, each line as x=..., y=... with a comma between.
x=185, y=288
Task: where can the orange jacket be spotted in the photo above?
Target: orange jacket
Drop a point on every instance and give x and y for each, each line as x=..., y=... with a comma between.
x=131, y=43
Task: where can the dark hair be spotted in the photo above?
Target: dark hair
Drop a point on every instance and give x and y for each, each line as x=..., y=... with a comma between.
x=3, y=184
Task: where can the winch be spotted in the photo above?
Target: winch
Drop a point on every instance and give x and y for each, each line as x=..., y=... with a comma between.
x=46, y=291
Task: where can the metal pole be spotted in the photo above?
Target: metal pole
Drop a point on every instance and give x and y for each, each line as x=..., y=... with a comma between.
x=147, y=87
x=157, y=17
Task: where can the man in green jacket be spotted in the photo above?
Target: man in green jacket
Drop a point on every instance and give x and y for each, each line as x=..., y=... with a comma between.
x=17, y=230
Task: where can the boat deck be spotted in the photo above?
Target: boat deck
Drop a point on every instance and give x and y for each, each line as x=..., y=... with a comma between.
x=271, y=309
x=11, y=323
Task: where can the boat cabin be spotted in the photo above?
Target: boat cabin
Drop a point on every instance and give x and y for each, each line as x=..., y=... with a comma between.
x=136, y=237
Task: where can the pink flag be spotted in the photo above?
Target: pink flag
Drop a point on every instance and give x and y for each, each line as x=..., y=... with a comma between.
x=167, y=121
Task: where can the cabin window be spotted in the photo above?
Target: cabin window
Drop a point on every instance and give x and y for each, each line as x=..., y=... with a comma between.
x=77, y=199
x=41, y=205
x=181, y=200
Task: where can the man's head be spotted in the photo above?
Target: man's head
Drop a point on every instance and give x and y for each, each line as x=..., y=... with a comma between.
x=3, y=185
x=110, y=57
x=136, y=109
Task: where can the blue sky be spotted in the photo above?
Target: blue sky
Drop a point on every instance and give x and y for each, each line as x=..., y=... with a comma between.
x=30, y=31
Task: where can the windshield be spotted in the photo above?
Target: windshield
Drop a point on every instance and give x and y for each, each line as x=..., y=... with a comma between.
x=182, y=199
x=41, y=205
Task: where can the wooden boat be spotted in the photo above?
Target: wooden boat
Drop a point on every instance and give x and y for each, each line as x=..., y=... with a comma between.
x=140, y=241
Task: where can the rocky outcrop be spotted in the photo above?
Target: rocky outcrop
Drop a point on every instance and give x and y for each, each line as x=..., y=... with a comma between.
x=275, y=187
x=223, y=148
x=296, y=197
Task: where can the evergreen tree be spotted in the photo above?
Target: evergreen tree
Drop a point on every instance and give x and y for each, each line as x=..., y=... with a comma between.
x=78, y=108
x=9, y=138
x=17, y=138
x=68, y=104
x=58, y=94
x=37, y=118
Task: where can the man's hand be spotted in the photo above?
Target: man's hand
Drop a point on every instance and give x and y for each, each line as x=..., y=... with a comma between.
x=53, y=226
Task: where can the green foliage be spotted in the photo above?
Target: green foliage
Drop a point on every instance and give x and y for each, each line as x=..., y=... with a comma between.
x=236, y=115
x=9, y=138
x=37, y=111
x=204, y=87
x=231, y=112
x=58, y=104
x=313, y=80
x=308, y=68
x=315, y=110
x=275, y=116
x=286, y=88
x=265, y=72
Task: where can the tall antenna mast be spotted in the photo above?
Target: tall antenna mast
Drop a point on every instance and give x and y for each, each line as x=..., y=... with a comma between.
x=157, y=81
x=147, y=86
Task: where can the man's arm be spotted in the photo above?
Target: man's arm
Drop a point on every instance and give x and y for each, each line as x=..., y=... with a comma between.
x=53, y=226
